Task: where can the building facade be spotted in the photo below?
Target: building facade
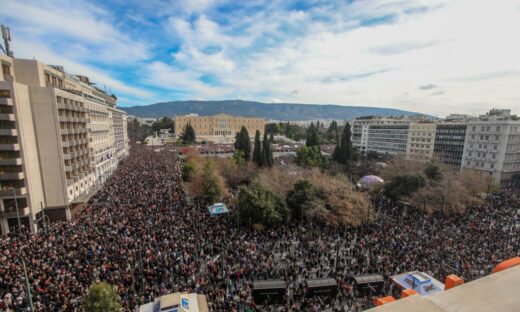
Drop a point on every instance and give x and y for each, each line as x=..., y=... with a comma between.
x=218, y=128
x=449, y=143
x=65, y=138
x=361, y=127
x=492, y=145
x=421, y=139
x=387, y=139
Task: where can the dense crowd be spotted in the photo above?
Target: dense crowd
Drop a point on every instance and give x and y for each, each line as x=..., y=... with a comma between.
x=140, y=234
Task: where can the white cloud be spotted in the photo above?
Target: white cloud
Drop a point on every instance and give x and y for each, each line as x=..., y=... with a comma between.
x=87, y=32
x=381, y=65
x=100, y=77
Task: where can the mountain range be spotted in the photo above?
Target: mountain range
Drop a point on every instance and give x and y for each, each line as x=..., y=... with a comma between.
x=274, y=111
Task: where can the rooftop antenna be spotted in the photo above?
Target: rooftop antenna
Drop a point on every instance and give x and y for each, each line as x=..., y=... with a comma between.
x=6, y=34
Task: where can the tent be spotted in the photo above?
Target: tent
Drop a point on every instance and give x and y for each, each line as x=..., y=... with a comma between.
x=422, y=283
x=218, y=209
x=369, y=181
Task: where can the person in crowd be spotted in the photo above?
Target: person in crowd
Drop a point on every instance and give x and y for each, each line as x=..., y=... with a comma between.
x=139, y=234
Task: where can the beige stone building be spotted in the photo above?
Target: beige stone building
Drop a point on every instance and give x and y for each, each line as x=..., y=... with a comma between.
x=421, y=140
x=61, y=138
x=218, y=128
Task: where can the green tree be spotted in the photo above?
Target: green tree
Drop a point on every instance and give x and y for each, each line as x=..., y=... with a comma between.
x=257, y=151
x=188, y=170
x=274, y=128
x=299, y=197
x=332, y=132
x=238, y=157
x=404, y=185
x=101, y=297
x=344, y=151
x=312, y=136
x=310, y=157
x=267, y=152
x=188, y=135
x=271, y=137
x=433, y=172
x=243, y=143
x=163, y=123
x=261, y=205
x=211, y=190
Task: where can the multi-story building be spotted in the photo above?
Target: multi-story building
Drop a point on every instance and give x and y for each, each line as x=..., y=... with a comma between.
x=492, y=145
x=387, y=139
x=421, y=139
x=449, y=143
x=218, y=128
x=361, y=128
x=71, y=140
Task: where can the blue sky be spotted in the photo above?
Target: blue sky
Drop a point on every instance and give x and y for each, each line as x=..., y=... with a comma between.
x=437, y=56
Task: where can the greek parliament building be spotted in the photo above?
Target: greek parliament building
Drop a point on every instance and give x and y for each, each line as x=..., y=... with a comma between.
x=489, y=143
x=60, y=138
x=218, y=128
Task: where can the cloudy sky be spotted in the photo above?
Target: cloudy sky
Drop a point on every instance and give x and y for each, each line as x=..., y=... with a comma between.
x=436, y=57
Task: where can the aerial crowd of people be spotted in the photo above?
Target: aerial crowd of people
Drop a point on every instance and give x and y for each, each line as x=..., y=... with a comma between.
x=141, y=234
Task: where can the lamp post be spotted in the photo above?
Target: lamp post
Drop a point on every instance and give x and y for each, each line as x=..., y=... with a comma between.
x=17, y=212
x=29, y=296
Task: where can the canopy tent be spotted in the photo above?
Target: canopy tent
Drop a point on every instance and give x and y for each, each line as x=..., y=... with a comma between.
x=218, y=209
x=422, y=283
x=369, y=181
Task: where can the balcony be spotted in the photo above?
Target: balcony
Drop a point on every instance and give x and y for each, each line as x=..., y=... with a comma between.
x=11, y=132
x=68, y=168
x=21, y=191
x=10, y=147
x=11, y=211
x=9, y=117
x=11, y=176
x=6, y=101
x=10, y=162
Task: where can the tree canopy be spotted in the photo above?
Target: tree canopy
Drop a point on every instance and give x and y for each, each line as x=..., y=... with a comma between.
x=344, y=152
x=299, y=197
x=310, y=157
x=188, y=135
x=101, y=297
x=312, y=136
x=259, y=205
x=243, y=143
x=257, y=150
x=267, y=152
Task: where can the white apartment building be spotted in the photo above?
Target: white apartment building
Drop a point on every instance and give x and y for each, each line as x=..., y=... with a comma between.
x=492, y=145
x=370, y=131
x=73, y=138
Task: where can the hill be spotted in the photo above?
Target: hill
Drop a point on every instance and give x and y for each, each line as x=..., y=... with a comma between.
x=278, y=111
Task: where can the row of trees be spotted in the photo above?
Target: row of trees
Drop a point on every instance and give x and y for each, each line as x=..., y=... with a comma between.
x=262, y=150
x=274, y=197
x=434, y=186
x=310, y=154
x=138, y=131
x=296, y=132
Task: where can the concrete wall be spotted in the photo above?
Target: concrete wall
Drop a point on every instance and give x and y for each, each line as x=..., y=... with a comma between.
x=51, y=156
x=29, y=150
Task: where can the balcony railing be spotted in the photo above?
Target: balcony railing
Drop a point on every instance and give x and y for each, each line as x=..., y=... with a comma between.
x=9, y=117
x=10, y=162
x=12, y=132
x=11, y=176
x=7, y=192
x=10, y=147
x=6, y=101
